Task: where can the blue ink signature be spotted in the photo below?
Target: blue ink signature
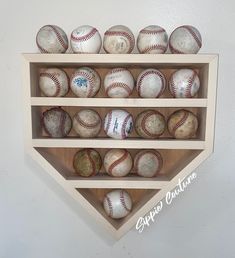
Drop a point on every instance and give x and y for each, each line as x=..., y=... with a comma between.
x=80, y=82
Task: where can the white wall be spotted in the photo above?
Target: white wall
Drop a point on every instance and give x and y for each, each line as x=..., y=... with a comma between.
x=37, y=219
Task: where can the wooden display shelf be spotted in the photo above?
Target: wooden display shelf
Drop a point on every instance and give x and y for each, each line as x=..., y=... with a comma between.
x=180, y=157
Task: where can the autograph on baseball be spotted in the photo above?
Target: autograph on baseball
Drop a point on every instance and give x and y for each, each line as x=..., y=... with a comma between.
x=145, y=221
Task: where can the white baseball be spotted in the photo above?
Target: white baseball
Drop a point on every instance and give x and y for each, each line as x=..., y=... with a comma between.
x=148, y=163
x=118, y=124
x=85, y=82
x=56, y=122
x=118, y=83
x=85, y=39
x=51, y=39
x=184, y=83
x=152, y=39
x=151, y=83
x=53, y=82
x=117, y=204
x=118, y=40
x=118, y=162
x=185, y=40
x=87, y=123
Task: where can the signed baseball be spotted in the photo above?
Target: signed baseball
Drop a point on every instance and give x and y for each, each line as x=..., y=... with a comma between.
x=184, y=83
x=56, y=122
x=185, y=39
x=118, y=40
x=85, y=82
x=118, y=83
x=182, y=124
x=151, y=83
x=86, y=39
x=117, y=204
x=87, y=162
x=51, y=39
x=152, y=39
x=118, y=162
x=150, y=124
x=118, y=124
x=53, y=82
x=87, y=123
x=148, y=163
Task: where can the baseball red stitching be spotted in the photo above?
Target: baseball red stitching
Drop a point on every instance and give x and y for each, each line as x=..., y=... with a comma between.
x=172, y=86
x=85, y=37
x=106, y=129
x=118, y=161
x=180, y=122
x=59, y=37
x=140, y=81
x=122, y=200
x=198, y=41
x=86, y=125
x=55, y=80
x=123, y=132
x=153, y=47
x=141, y=154
x=143, y=125
x=110, y=206
x=91, y=161
x=122, y=33
x=190, y=84
x=117, y=70
x=148, y=31
x=118, y=85
x=88, y=77
x=62, y=123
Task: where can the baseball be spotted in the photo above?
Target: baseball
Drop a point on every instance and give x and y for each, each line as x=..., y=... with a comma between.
x=118, y=83
x=118, y=40
x=85, y=39
x=148, y=163
x=118, y=162
x=56, y=122
x=152, y=39
x=182, y=124
x=87, y=162
x=118, y=124
x=185, y=40
x=150, y=124
x=117, y=204
x=184, y=83
x=87, y=123
x=151, y=83
x=85, y=82
x=53, y=82
x=51, y=39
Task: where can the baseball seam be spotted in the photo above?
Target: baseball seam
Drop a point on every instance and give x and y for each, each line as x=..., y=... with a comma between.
x=123, y=129
x=89, y=78
x=86, y=125
x=180, y=122
x=122, y=200
x=174, y=50
x=140, y=81
x=92, y=162
x=117, y=162
x=153, y=47
x=85, y=37
x=55, y=80
x=124, y=34
x=155, y=153
x=189, y=86
x=118, y=85
x=143, y=125
x=172, y=87
x=198, y=41
x=117, y=70
x=62, y=123
x=59, y=37
x=147, y=31
x=110, y=206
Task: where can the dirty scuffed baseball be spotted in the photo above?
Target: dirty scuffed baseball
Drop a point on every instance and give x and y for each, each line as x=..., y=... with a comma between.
x=56, y=122
x=117, y=204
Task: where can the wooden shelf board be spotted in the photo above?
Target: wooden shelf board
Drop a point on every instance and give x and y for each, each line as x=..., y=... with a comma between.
x=112, y=102
x=128, y=143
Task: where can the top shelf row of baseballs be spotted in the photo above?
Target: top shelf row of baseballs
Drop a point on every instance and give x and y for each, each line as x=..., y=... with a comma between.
x=119, y=39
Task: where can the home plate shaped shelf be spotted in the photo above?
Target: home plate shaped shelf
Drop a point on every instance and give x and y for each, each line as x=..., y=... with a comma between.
x=180, y=157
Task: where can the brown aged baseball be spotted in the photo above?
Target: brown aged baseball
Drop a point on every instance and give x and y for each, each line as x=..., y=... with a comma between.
x=182, y=124
x=87, y=123
x=150, y=124
x=118, y=162
x=148, y=163
x=87, y=162
x=56, y=122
